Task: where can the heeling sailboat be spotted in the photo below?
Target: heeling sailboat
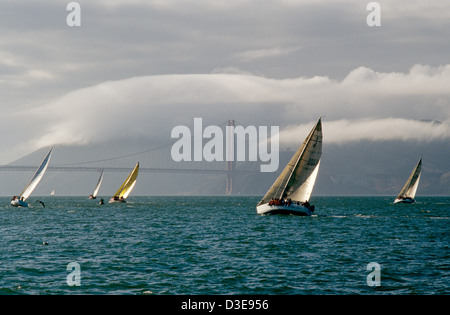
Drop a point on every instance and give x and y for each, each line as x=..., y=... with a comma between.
x=97, y=187
x=291, y=191
x=127, y=186
x=20, y=200
x=408, y=191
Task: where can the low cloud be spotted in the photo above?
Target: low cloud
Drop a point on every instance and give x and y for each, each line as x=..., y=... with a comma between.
x=365, y=105
x=384, y=129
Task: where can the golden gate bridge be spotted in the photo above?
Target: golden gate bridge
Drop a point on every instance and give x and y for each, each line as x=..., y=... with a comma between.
x=230, y=171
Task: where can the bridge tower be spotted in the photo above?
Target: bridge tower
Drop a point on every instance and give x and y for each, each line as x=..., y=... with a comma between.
x=231, y=156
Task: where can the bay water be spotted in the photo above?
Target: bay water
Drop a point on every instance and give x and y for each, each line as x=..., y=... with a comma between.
x=192, y=245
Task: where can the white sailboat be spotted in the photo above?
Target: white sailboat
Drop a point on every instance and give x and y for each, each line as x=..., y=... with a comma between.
x=97, y=187
x=408, y=191
x=20, y=200
x=127, y=186
x=291, y=191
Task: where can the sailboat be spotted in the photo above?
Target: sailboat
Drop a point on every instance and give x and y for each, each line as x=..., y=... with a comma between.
x=408, y=191
x=126, y=187
x=291, y=191
x=97, y=187
x=20, y=200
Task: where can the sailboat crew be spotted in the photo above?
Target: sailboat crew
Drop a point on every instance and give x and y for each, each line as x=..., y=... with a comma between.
x=306, y=204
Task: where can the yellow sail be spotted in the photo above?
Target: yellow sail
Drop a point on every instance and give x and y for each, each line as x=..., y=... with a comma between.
x=128, y=184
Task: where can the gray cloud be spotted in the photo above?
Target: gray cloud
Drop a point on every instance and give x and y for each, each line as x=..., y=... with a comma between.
x=160, y=63
x=364, y=105
x=250, y=55
x=381, y=129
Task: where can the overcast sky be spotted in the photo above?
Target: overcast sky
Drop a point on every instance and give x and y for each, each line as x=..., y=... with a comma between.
x=136, y=69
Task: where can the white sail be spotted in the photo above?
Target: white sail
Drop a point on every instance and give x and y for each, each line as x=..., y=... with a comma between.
x=303, y=193
x=37, y=177
x=97, y=187
x=410, y=188
x=297, y=179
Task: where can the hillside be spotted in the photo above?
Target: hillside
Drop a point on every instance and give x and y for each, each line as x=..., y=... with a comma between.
x=357, y=169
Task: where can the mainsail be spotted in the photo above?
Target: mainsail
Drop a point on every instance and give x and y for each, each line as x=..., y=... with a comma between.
x=297, y=179
x=97, y=187
x=128, y=184
x=37, y=177
x=410, y=188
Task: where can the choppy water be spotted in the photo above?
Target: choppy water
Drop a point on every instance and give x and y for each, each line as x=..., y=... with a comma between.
x=219, y=245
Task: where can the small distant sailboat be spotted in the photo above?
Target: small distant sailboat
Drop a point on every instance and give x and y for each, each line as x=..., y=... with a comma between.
x=408, y=192
x=20, y=200
x=97, y=187
x=291, y=191
x=126, y=187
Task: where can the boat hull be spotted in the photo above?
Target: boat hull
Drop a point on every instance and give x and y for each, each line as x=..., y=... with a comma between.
x=18, y=203
x=293, y=209
x=404, y=200
x=112, y=200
